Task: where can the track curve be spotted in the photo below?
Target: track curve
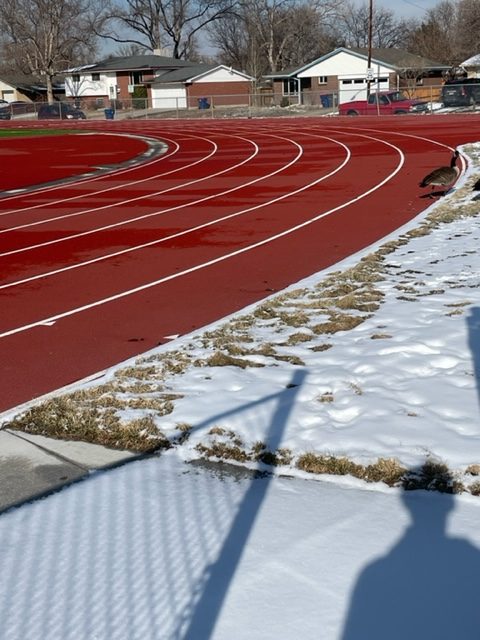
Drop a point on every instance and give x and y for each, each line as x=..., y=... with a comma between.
x=104, y=267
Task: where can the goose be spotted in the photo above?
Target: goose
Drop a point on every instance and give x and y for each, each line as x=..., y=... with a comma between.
x=443, y=176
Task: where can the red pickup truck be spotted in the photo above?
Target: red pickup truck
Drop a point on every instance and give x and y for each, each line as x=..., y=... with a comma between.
x=382, y=103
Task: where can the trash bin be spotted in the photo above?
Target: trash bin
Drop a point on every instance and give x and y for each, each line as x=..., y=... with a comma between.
x=109, y=114
x=325, y=101
x=203, y=103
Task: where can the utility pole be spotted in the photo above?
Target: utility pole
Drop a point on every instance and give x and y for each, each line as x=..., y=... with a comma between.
x=369, y=61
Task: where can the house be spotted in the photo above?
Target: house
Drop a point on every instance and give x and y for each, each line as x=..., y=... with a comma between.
x=472, y=66
x=27, y=89
x=344, y=74
x=157, y=82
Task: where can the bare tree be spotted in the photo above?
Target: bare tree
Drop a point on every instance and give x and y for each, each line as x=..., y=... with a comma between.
x=447, y=34
x=44, y=37
x=268, y=35
x=387, y=30
x=159, y=24
x=467, y=38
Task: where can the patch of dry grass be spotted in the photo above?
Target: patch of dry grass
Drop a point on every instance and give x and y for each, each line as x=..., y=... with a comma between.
x=384, y=470
x=63, y=418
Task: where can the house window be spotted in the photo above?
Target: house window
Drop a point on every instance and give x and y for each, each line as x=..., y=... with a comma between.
x=95, y=77
x=136, y=77
x=290, y=86
x=76, y=77
x=322, y=79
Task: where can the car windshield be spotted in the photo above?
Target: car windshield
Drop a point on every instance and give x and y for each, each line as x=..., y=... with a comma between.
x=398, y=96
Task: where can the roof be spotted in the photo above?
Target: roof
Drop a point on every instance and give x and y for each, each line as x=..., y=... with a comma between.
x=133, y=63
x=191, y=74
x=474, y=61
x=395, y=58
x=399, y=58
x=28, y=83
x=182, y=75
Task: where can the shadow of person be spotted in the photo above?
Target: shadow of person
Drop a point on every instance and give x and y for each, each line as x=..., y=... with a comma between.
x=425, y=588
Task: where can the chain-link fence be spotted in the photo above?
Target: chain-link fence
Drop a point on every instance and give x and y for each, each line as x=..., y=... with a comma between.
x=461, y=97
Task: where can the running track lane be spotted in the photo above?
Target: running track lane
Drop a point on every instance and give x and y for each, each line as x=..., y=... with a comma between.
x=208, y=191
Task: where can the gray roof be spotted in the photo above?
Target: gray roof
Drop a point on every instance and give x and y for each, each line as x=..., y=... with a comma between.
x=28, y=83
x=182, y=75
x=400, y=58
x=131, y=63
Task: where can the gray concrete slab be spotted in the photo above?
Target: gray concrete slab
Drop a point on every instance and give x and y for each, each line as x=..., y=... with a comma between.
x=90, y=456
x=27, y=471
x=33, y=465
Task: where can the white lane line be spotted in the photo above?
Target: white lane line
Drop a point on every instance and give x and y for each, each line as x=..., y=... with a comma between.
x=123, y=185
x=117, y=203
x=169, y=209
x=209, y=263
x=81, y=182
x=173, y=236
x=153, y=194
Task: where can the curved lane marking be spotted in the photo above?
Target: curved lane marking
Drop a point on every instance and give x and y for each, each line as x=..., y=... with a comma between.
x=168, y=209
x=121, y=186
x=80, y=181
x=203, y=265
x=121, y=203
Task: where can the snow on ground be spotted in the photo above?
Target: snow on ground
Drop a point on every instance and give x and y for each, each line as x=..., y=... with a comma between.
x=402, y=384
x=164, y=549
x=161, y=550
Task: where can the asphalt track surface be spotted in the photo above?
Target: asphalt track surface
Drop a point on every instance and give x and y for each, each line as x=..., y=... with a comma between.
x=101, y=261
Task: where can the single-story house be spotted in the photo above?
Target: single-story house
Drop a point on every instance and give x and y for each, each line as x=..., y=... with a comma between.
x=472, y=66
x=345, y=74
x=27, y=89
x=157, y=82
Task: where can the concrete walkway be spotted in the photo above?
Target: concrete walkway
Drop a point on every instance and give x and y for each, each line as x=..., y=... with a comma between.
x=31, y=466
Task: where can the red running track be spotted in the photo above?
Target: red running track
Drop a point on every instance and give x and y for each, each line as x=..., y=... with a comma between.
x=101, y=269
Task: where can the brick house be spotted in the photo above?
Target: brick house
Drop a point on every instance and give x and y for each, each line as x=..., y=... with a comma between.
x=342, y=74
x=156, y=82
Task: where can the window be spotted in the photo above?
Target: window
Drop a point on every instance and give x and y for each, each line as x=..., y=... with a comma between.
x=95, y=77
x=290, y=86
x=136, y=77
x=76, y=77
x=322, y=79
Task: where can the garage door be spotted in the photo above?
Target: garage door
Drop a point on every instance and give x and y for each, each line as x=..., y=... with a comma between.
x=356, y=88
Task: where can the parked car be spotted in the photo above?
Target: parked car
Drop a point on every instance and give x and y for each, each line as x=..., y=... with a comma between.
x=383, y=103
x=21, y=107
x=4, y=111
x=60, y=111
x=461, y=93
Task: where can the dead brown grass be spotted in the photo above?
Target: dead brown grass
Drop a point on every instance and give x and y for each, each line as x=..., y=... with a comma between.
x=63, y=418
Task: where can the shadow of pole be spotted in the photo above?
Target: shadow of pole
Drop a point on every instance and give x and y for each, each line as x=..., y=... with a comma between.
x=220, y=574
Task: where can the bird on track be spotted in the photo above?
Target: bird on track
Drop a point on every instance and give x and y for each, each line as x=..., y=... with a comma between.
x=442, y=177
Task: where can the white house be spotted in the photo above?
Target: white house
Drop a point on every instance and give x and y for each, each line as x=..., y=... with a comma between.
x=472, y=66
x=156, y=82
x=345, y=72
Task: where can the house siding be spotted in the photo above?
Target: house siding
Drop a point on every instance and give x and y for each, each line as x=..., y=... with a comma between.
x=220, y=93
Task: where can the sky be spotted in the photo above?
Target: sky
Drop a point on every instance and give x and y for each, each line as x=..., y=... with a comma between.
x=404, y=8
x=171, y=547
